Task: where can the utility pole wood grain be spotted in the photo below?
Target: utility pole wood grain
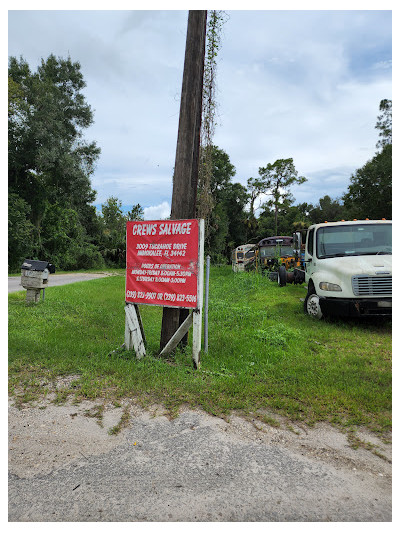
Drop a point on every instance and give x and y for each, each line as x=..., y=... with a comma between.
x=184, y=192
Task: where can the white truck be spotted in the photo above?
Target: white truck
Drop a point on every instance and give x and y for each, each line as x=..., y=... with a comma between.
x=348, y=268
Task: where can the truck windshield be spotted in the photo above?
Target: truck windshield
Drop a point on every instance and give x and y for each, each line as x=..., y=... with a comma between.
x=272, y=251
x=354, y=239
x=286, y=250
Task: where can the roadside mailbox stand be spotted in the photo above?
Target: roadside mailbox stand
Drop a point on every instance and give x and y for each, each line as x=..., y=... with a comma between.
x=164, y=267
x=35, y=277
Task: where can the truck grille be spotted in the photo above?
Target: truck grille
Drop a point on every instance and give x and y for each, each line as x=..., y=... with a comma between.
x=372, y=285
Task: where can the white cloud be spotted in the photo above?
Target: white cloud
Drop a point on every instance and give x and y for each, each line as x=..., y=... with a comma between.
x=301, y=84
x=157, y=212
x=383, y=65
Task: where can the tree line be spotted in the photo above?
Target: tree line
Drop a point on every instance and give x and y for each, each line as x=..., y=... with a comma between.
x=51, y=214
x=233, y=220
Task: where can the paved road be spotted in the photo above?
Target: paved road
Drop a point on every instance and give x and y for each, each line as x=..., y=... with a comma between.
x=14, y=282
x=195, y=468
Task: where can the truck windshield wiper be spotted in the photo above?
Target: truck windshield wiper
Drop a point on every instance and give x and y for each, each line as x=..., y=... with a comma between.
x=369, y=253
x=375, y=253
x=352, y=254
x=334, y=255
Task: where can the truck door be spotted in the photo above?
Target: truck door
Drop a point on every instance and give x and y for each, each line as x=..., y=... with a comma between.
x=309, y=253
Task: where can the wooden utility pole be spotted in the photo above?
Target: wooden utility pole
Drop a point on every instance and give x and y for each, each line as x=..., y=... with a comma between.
x=185, y=178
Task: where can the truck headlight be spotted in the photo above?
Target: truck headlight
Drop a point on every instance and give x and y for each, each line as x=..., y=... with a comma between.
x=325, y=286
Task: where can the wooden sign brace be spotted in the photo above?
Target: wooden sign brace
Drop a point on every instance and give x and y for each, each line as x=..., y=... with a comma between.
x=134, y=332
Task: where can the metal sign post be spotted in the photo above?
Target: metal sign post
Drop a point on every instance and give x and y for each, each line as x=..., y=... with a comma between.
x=206, y=304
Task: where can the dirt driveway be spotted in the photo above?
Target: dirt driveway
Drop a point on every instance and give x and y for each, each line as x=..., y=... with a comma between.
x=65, y=466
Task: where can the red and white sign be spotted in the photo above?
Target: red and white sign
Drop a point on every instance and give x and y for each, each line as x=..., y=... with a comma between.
x=162, y=262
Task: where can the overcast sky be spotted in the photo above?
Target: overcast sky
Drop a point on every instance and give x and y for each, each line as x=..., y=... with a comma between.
x=300, y=84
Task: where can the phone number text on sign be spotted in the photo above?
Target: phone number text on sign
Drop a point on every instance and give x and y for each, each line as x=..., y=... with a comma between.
x=162, y=262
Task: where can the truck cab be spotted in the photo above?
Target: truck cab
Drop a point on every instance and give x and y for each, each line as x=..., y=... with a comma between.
x=348, y=268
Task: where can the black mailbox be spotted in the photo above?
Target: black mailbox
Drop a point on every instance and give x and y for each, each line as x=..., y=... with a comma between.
x=38, y=266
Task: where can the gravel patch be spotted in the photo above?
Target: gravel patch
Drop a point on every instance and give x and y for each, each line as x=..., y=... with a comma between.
x=64, y=465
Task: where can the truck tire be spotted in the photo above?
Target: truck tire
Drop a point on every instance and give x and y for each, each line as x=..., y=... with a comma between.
x=311, y=305
x=282, y=276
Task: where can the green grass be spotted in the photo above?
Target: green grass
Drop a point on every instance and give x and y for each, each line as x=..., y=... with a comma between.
x=264, y=354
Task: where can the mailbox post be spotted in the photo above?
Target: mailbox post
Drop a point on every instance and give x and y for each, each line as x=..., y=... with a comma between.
x=35, y=277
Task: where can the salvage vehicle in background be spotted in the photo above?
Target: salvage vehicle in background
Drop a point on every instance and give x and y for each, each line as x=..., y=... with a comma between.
x=272, y=253
x=238, y=256
x=347, y=268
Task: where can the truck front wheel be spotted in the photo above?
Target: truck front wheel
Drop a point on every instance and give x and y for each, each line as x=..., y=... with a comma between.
x=311, y=305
